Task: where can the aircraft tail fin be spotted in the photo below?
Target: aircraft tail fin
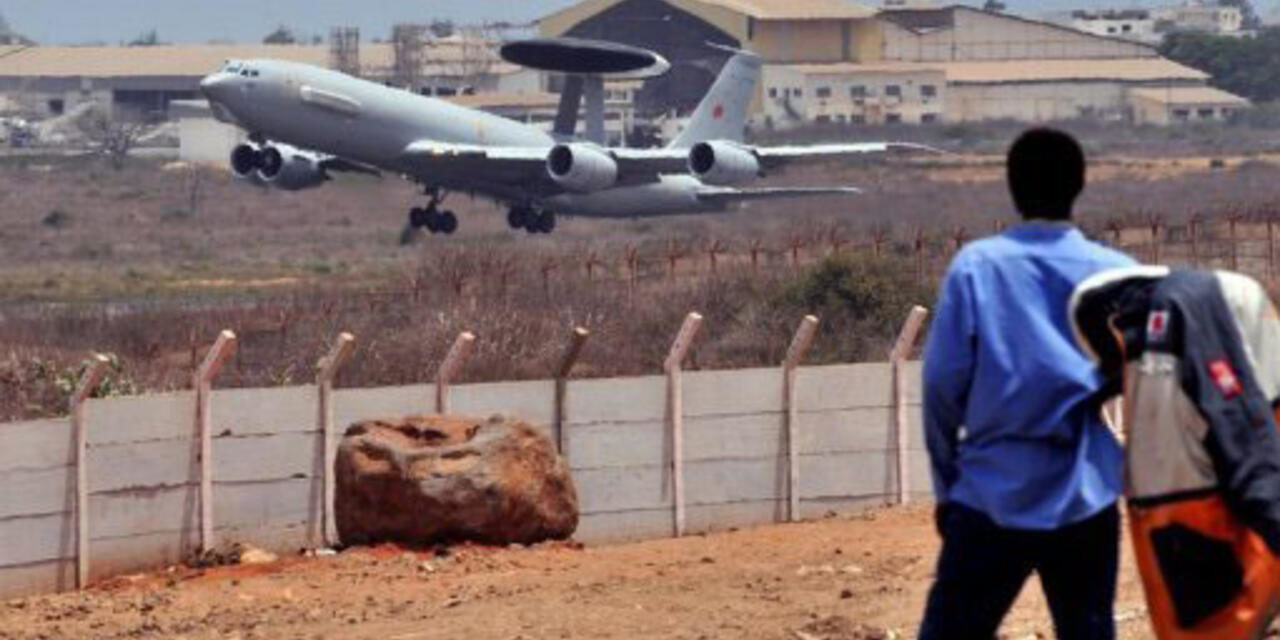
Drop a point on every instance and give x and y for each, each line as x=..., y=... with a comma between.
x=722, y=114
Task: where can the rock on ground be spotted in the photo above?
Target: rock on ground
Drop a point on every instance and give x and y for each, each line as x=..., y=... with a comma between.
x=424, y=480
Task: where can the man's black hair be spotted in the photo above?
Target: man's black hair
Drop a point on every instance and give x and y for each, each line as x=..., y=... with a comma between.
x=1046, y=170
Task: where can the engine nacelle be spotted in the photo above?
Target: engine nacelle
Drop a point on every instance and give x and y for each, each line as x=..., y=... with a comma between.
x=289, y=168
x=723, y=163
x=581, y=168
x=246, y=159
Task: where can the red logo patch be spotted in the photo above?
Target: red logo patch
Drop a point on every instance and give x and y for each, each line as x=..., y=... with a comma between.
x=1157, y=325
x=1225, y=378
x=718, y=112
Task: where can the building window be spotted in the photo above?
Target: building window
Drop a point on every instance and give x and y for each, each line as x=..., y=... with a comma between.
x=840, y=117
x=858, y=118
x=893, y=118
x=57, y=107
x=928, y=91
x=1205, y=114
x=773, y=92
x=929, y=118
x=823, y=119
x=893, y=91
x=823, y=92
x=799, y=93
x=1181, y=114
x=858, y=91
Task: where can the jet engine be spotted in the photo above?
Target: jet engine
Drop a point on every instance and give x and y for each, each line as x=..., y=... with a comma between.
x=289, y=168
x=246, y=159
x=723, y=163
x=581, y=168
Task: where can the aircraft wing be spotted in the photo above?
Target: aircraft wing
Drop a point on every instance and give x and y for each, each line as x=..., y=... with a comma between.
x=729, y=195
x=777, y=157
x=510, y=165
x=637, y=162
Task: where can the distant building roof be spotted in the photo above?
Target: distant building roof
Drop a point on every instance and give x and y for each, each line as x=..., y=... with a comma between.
x=757, y=9
x=1190, y=96
x=199, y=59
x=1022, y=71
x=796, y=9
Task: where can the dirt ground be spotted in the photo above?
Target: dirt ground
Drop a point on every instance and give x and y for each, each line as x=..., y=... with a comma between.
x=838, y=579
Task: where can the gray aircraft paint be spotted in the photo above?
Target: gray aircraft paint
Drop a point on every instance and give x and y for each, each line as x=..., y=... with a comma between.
x=443, y=145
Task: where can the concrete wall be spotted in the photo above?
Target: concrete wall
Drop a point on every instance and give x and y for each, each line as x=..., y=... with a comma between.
x=1037, y=102
x=144, y=470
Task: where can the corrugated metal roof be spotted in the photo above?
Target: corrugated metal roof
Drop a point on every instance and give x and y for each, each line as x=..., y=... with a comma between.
x=197, y=60
x=1008, y=71
x=796, y=9
x=1190, y=96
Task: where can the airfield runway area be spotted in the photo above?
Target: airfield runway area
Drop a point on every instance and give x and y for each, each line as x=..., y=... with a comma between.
x=839, y=579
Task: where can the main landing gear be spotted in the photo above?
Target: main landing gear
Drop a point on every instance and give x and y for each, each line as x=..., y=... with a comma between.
x=432, y=218
x=531, y=220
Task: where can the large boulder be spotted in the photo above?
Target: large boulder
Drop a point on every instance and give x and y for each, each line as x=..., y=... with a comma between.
x=429, y=479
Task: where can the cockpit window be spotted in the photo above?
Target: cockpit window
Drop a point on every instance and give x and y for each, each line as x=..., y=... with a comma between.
x=232, y=67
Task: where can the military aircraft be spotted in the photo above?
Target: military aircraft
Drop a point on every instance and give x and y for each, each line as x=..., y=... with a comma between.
x=305, y=122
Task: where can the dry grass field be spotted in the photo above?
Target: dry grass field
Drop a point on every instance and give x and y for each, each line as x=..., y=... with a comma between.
x=149, y=262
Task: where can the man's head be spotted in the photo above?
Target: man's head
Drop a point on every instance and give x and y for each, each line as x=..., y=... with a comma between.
x=1046, y=174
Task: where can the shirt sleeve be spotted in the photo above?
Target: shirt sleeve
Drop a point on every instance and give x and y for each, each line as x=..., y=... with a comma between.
x=948, y=372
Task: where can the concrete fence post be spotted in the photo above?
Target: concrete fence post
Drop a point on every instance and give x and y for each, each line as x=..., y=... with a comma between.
x=327, y=370
x=577, y=340
x=901, y=425
x=88, y=382
x=458, y=354
x=791, y=412
x=675, y=411
x=218, y=355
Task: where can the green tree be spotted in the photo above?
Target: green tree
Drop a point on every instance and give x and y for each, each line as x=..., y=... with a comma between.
x=1245, y=66
x=282, y=35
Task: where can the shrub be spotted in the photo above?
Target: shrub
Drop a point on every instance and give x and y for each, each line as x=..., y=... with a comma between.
x=56, y=219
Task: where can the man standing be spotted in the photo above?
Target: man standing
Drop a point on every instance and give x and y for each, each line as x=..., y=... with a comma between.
x=1026, y=474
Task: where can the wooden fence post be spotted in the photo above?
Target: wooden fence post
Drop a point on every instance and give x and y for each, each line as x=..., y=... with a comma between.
x=898, y=357
x=209, y=369
x=791, y=412
x=1193, y=231
x=675, y=411
x=327, y=371
x=458, y=354
x=577, y=341
x=88, y=382
x=1271, y=249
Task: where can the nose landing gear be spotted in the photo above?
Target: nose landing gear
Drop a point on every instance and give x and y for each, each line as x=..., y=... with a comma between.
x=531, y=220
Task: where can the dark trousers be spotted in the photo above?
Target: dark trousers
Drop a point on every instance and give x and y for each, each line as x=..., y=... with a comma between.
x=983, y=566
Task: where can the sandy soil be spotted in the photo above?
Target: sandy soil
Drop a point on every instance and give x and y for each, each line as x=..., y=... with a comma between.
x=838, y=579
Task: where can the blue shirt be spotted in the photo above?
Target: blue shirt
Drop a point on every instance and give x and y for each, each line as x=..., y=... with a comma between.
x=1010, y=415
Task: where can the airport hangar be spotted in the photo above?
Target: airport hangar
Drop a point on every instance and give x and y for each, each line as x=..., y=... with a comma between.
x=834, y=61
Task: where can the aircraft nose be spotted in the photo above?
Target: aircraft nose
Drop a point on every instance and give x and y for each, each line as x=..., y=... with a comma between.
x=212, y=86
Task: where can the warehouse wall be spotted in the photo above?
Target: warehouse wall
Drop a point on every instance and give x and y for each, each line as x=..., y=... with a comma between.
x=144, y=472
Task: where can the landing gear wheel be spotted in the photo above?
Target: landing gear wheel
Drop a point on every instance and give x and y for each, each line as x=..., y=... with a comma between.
x=546, y=222
x=418, y=217
x=448, y=223
x=518, y=217
x=433, y=221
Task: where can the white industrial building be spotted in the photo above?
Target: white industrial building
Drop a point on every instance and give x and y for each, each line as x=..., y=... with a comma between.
x=834, y=61
x=1130, y=24
x=142, y=81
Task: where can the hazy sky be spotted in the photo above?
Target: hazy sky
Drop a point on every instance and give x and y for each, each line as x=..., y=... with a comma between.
x=114, y=21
